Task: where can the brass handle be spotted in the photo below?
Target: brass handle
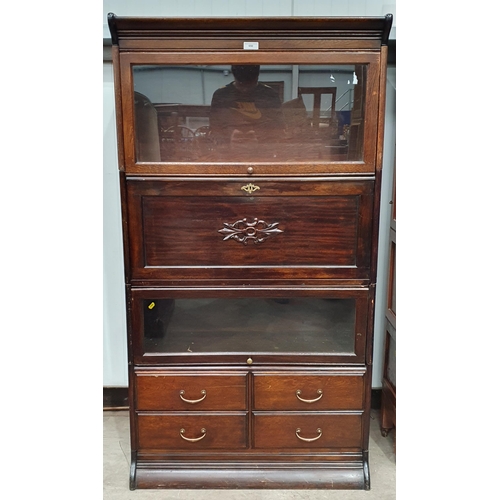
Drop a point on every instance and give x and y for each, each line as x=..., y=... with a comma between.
x=298, y=392
x=318, y=430
x=193, y=401
x=193, y=440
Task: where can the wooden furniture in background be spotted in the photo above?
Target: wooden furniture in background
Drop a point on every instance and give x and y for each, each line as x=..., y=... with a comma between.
x=318, y=93
x=388, y=408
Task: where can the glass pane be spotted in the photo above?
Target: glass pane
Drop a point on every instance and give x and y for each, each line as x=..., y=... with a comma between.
x=391, y=361
x=392, y=303
x=267, y=113
x=305, y=325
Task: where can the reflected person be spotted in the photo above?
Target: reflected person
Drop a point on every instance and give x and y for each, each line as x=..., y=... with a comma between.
x=246, y=112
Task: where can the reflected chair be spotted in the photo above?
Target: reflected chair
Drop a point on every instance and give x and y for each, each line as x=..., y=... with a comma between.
x=318, y=92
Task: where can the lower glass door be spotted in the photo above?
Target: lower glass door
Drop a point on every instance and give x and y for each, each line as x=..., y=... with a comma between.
x=244, y=325
x=279, y=326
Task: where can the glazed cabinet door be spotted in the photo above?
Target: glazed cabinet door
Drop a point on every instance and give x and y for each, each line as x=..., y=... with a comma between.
x=307, y=113
x=249, y=327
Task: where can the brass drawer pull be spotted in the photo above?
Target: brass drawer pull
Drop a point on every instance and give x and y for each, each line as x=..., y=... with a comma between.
x=193, y=440
x=298, y=392
x=192, y=401
x=318, y=430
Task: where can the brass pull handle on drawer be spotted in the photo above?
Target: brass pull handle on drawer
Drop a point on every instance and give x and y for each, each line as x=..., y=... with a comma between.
x=308, y=440
x=192, y=401
x=298, y=392
x=193, y=440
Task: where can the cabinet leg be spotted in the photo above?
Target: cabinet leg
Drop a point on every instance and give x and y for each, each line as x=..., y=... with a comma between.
x=366, y=470
x=133, y=465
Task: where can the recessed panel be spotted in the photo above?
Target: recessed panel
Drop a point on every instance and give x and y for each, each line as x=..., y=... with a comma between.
x=243, y=231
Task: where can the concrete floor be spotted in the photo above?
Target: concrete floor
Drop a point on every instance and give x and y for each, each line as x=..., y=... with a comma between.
x=116, y=462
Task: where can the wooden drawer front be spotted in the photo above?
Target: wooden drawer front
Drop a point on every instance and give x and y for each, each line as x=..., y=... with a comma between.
x=315, y=230
x=200, y=431
x=282, y=431
x=191, y=392
x=317, y=392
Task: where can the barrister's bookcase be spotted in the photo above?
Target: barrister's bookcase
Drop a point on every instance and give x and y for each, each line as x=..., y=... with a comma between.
x=250, y=224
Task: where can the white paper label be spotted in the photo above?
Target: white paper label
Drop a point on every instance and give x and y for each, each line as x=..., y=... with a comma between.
x=250, y=45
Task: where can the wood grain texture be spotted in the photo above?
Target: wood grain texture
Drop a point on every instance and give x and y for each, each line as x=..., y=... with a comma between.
x=358, y=29
x=279, y=431
x=279, y=392
x=350, y=476
x=325, y=226
x=163, y=432
x=162, y=392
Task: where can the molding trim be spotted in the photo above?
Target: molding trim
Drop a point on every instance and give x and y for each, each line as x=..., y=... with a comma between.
x=391, y=54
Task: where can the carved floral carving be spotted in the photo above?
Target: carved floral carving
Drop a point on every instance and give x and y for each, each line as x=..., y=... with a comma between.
x=243, y=231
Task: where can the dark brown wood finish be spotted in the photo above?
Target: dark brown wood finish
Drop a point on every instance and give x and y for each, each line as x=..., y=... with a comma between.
x=140, y=32
x=308, y=392
x=251, y=401
x=321, y=229
x=308, y=431
x=192, y=431
x=185, y=392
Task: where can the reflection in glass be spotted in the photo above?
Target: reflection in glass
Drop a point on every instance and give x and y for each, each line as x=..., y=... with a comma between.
x=298, y=325
x=270, y=113
x=391, y=360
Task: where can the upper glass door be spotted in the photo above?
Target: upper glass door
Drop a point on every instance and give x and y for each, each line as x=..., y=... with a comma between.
x=309, y=114
x=249, y=113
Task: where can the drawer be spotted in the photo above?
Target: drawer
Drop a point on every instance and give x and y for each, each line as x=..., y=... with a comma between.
x=308, y=392
x=191, y=392
x=284, y=229
x=301, y=430
x=192, y=431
